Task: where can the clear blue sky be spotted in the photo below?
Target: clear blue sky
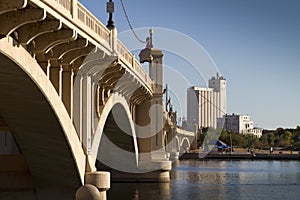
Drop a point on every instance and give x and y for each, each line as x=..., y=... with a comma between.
x=254, y=43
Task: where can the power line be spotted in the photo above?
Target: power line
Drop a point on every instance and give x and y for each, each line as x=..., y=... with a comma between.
x=129, y=24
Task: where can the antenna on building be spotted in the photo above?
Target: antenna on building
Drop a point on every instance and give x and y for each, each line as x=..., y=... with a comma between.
x=110, y=8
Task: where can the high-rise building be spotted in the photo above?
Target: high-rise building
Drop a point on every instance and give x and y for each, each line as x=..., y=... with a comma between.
x=205, y=105
x=218, y=84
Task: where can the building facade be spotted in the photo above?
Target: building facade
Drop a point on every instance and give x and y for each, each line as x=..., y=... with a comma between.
x=205, y=105
x=239, y=124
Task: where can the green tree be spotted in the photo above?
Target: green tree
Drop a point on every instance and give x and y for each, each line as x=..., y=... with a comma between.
x=258, y=144
x=284, y=143
x=225, y=137
x=296, y=145
x=271, y=138
x=296, y=134
x=264, y=140
x=287, y=135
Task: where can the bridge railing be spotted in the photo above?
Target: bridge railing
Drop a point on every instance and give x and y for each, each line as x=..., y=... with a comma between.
x=129, y=59
x=185, y=132
x=67, y=4
x=87, y=22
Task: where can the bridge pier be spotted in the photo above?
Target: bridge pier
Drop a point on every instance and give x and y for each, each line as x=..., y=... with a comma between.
x=99, y=179
x=174, y=156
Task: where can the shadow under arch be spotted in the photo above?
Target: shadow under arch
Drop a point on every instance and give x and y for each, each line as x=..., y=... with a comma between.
x=115, y=142
x=40, y=124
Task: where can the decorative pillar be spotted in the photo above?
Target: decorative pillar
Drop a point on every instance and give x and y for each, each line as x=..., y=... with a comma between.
x=155, y=57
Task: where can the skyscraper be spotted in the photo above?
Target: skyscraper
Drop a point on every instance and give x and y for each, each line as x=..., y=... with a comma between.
x=205, y=105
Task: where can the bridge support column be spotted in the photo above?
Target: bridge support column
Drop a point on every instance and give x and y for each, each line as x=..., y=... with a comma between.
x=87, y=113
x=77, y=105
x=56, y=75
x=43, y=62
x=45, y=67
x=67, y=89
x=172, y=144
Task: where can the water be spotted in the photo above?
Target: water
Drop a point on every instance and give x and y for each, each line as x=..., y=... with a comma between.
x=246, y=180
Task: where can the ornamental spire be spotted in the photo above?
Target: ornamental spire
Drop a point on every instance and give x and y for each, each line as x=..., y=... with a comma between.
x=149, y=40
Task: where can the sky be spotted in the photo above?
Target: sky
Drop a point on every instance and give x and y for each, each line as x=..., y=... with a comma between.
x=255, y=44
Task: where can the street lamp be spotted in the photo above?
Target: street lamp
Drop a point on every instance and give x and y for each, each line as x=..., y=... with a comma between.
x=110, y=8
x=230, y=141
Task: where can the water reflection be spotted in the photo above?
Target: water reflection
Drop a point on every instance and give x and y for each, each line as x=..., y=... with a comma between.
x=137, y=191
x=219, y=180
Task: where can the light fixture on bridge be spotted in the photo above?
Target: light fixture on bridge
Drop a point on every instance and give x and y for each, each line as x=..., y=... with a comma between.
x=110, y=8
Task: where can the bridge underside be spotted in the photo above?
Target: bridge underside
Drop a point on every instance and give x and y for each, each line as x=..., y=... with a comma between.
x=38, y=133
x=118, y=146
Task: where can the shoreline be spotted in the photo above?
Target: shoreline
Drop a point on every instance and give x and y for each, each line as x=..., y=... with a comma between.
x=240, y=156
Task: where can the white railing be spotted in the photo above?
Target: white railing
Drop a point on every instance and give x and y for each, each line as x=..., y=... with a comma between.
x=66, y=4
x=92, y=22
x=124, y=52
x=185, y=132
x=61, y=6
x=130, y=60
x=92, y=26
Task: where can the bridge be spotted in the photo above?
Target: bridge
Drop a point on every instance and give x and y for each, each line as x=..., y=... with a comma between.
x=76, y=107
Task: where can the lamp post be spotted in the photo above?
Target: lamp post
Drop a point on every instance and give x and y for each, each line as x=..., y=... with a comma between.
x=196, y=136
x=110, y=8
x=230, y=141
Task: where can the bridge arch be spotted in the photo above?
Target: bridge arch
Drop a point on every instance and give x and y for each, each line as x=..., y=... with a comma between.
x=185, y=144
x=177, y=143
x=40, y=123
x=110, y=143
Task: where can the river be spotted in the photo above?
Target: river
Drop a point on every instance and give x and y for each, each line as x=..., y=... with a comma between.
x=218, y=180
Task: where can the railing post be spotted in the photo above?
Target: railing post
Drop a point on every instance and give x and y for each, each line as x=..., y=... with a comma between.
x=114, y=41
x=74, y=9
x=133, y=61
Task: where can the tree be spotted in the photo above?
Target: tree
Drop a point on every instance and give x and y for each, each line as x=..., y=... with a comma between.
x=225, y=137
x=284, y=143
x=271, y=138
x=264, y=140
x=258, y=144
x=296, y=145
x=296, y=134
x=287, y=135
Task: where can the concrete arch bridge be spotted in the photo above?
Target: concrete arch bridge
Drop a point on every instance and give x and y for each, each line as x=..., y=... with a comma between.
x=75, y=105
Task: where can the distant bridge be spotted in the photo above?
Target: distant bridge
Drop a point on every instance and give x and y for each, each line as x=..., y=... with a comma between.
x=77, y=104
